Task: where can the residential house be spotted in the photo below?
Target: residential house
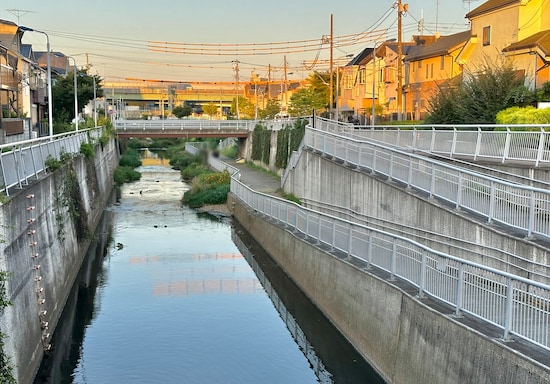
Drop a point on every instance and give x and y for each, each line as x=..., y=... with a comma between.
x=369, y=81
x=429, y=68
x=517, y=29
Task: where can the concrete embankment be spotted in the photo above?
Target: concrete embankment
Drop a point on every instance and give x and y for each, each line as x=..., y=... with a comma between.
x=406, y=340
x=47, y=228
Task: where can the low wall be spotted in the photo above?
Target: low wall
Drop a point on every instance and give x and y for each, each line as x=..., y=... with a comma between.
x=404, y=339
x=66, y=207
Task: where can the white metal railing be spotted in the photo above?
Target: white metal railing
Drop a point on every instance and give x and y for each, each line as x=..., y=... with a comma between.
x=515, y=205
x=23, y=160
x=198, y=124
x=184, y=124
x=518, y=306
x=509, y=143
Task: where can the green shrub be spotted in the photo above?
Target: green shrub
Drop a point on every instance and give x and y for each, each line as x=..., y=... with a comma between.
x=52, y=163
x=125, y=174
x=87, y=150
x=130, y=158
x=216, y=195
x=525, y=115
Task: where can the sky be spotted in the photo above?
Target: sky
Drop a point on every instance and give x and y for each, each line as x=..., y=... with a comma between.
x=196, y=41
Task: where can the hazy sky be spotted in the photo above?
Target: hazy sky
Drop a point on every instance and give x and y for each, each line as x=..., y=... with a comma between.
x=116, y=33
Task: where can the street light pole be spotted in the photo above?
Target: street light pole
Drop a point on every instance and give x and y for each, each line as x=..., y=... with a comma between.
x=49, y=75
x=75, y=94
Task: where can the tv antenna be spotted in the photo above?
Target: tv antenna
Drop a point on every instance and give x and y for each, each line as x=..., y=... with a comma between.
x=469, y=2
x=18, y=13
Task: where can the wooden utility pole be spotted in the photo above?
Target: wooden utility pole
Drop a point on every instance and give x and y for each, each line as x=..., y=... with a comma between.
x=331, y=96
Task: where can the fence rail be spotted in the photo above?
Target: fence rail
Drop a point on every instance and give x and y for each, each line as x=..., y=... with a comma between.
x=21, y=161
x=513, y=143
x=514, y=205
x=518, y=306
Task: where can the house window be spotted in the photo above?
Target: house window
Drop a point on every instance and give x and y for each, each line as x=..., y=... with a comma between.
x=442, y=64
x=419, y=63
x=427, y=71
x=486, y=36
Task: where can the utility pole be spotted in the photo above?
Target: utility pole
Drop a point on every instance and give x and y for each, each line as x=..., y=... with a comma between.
x=401, y=9
x=283, y=87
x=237, y=87
x=268, y=81
x=331, y=96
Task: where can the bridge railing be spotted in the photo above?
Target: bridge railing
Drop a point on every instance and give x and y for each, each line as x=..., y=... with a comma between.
x=23, y=160
x=518, y=143
x=184, y=124
x=515, y=205
x=518, y=306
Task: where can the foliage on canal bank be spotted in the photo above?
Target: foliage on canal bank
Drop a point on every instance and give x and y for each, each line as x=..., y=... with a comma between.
x=125, y=172
x=288, y=140
x=6, y=368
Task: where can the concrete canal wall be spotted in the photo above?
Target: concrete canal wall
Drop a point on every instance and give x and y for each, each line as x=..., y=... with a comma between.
x=404, y=339
x=47, y=228
x=320, y=179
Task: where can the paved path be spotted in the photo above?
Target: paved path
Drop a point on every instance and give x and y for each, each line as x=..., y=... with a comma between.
x=256, y=179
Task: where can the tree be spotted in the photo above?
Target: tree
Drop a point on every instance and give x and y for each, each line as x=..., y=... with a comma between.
x=479, y=98
x=305, y=100
x=182, y=111
x=210, y=109
x=63, y=96
x=246, y=108
x=271, y=109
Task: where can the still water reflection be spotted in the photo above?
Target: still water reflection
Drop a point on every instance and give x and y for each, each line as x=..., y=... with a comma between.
x=175, y=301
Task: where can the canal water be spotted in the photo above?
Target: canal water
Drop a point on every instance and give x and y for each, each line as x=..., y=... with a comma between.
x=169, y=295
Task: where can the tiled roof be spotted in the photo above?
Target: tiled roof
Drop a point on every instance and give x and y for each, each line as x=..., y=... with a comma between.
x=359, y=59
x=538, y=40
x=489, y=6
x=442, y=46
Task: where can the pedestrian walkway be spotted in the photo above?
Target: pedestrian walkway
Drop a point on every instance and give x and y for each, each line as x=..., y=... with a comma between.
x=258, y=180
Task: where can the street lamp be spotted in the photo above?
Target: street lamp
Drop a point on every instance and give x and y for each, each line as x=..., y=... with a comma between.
x=372, y=116
x=75, y=94
x=49, y=74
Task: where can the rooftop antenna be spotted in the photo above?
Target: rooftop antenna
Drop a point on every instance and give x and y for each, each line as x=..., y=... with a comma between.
x=469, y=2
x=18, y=13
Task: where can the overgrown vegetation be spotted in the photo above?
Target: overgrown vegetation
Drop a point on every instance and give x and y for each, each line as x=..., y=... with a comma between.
x=125, y=172
x=6, y=368
x=288, y=141
x=208, y=188
x=480, y=96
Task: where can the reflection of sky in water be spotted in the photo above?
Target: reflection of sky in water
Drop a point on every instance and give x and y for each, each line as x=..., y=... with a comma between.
x=180, y=304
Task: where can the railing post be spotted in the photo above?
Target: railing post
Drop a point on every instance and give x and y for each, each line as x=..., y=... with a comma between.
x=422, y=279
x=541, y=147
x=453, y=144
x=369, y=251
x=478, y=143
x=509, y=310
x=459, y=191
x=532, y=213
x=506, y=152
x=459, y=290
x=492, y=202
x=393, y=265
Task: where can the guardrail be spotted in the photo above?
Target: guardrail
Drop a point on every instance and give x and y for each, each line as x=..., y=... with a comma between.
x=511, y=143
x=511, y=204
x=518, y=306
x=24, y=160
